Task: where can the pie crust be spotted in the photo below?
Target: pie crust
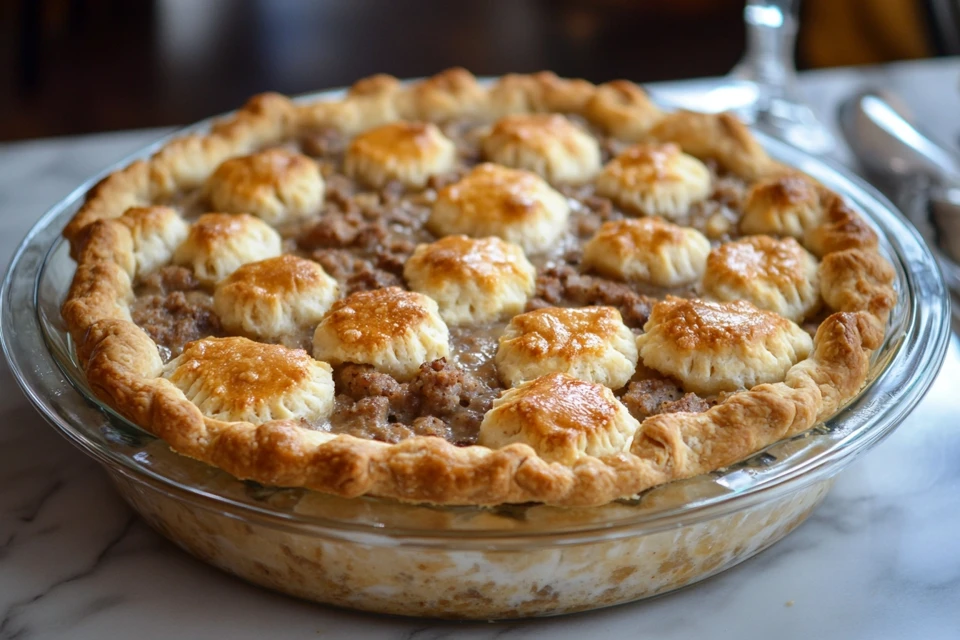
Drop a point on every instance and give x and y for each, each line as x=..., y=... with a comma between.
x=549, y=455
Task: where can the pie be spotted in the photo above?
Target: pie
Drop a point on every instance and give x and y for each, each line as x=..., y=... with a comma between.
x=454, y=292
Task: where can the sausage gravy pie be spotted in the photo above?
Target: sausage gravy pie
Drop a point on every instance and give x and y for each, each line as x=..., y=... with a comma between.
x=454, y=292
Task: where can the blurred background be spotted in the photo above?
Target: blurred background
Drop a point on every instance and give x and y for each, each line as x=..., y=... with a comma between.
x=76, y=66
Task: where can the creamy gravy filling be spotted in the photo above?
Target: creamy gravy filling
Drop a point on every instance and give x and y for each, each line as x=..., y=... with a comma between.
x=362, y=239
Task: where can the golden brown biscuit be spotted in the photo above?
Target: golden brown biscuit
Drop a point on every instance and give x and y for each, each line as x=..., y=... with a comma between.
x=546, y=144
x=589, y=343
x=517, y=206
x=720, y=346
x=275, y=300
x=393, y=330
x=776, y=275
x=238, y=380
x=561, y=418
x=473, y=281
x=275, y=185
x=156, y=234
x=219, y=243
x=655, y=180
x=623, y=110
x=410, y=152
x=715, y=136
x=453, y=93
x=538, y=92
x=649, y=250
x=786, y=205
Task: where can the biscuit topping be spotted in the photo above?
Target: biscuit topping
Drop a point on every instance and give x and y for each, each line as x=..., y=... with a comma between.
x=561, y=417
x=655, y=180
x=275, y=300
x=473, y=280
x=235, y=379
x=219, y=243
x=785, y=206
x=276, y=185
x=777, y=275
x=648, y=250
x=590, y=343
x=394, y=330
x=409, y=152
x=491, y=200
x=546, y=144
x=720, y=346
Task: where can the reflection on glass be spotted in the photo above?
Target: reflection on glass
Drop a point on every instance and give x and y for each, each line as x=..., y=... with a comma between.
x=768, y=68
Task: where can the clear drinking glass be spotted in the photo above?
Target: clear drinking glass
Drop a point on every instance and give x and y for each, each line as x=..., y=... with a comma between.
x=768, y=68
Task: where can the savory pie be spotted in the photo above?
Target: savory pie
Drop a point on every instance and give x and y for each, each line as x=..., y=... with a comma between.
x=453, y=292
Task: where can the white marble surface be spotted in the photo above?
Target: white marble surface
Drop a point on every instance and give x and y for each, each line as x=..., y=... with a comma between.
x=879, y=559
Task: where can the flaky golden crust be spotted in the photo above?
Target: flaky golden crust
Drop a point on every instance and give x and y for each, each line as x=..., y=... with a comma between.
x=858, y=280
x=186, y=162
x=217, y=244
x=275, y=300
x=123, y=367
x=536, y=93
x=841, y=228
x=155, y=233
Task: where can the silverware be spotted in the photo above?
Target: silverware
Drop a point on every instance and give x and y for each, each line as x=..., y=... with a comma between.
x=925, y=175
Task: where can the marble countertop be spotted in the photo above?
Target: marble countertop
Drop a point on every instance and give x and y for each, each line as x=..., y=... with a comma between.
x=879, y=559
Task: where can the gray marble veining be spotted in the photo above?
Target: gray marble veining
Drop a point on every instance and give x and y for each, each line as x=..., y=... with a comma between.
x=879, y=559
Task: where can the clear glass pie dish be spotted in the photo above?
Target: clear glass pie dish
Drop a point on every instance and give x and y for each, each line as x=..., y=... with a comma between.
x=466, y=562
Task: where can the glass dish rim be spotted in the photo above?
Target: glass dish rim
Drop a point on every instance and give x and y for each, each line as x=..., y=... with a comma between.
x=821, y=466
